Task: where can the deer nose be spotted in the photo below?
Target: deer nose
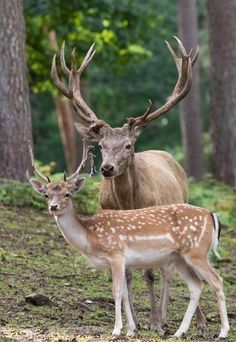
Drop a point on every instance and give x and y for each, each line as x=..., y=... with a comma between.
x=107, y=170
x=53, y=207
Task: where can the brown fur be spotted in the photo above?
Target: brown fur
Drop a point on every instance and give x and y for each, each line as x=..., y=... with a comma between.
x=154, y=178
x=180, y=235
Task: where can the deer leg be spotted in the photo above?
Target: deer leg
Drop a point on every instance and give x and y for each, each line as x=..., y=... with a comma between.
x=118, y=276
x=131, y=327
x=129, y=277
x=195, y=287
x=166, y=274
x=155, y=321
x=215, y=281
x=201, y=322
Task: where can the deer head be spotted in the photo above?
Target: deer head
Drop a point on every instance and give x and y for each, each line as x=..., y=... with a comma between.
x=117, y=144
x=58, y=194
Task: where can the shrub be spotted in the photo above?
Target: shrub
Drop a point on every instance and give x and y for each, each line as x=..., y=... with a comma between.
x=17, y=194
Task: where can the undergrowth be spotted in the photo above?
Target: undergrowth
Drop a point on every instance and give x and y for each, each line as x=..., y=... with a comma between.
x=17, y=194
x=216, y=197
x=209, y=194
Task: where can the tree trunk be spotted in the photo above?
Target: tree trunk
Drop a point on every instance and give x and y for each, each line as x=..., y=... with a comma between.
x=222, y=36
x=67, y=131
x=15, y=118
x=191, y=125
x=65, y=120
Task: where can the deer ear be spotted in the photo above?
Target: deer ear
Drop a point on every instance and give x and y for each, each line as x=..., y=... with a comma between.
x=138, y=130
x=90, y=133
x=77, y=185
x=38, y=186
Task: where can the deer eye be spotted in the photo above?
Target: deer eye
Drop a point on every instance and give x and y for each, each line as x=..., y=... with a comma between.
x=67, y=194
x=46, y=196
x=128, y=146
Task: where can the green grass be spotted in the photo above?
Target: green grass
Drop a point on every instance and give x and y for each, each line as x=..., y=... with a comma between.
x=216, y=197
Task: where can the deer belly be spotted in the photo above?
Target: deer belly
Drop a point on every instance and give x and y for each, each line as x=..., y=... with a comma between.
x=98, y=261
x=145, y=259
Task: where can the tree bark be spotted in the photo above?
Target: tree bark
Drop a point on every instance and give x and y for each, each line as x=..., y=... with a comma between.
x=222, y=40
x=191, y=124
x=15, y=118
x=65, y=120
x=67, y=131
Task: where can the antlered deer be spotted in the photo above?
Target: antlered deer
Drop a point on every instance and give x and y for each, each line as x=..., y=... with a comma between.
x=134, y=180
x=177, y=234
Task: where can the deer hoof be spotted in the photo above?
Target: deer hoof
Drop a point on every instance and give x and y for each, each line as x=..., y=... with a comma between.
x=157, y=327
x=202, y=330
x=114, y=337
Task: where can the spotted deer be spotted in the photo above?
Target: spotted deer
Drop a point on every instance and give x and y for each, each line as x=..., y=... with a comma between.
x=134, y=180
x=177, y=234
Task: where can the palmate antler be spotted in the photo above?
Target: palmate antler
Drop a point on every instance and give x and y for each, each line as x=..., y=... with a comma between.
x=183, y=64
x=87, y=153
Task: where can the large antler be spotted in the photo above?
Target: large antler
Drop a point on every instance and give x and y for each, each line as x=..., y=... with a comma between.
x=73, y=92
x=184, y=66
x=35, y=170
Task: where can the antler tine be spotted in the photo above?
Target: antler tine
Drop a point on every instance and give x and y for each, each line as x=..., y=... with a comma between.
x=181, y=47
x=131, y=121
x=35, y=170
x=195, y=56
x=74, y=93
x=87, y=59
x=81, y=166
x=56, y=80
x=64, y=67
x=183, y=84
x=79, y=104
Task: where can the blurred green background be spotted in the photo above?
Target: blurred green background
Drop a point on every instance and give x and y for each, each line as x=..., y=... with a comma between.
x=132, y=64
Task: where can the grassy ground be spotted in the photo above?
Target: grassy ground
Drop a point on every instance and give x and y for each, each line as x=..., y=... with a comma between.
x=35, y=259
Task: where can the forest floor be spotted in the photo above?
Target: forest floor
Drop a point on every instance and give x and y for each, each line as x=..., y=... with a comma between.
x=35, y=258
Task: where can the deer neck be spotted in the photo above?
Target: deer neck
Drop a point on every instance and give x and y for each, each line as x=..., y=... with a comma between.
x=123, y=188
x=73, y=229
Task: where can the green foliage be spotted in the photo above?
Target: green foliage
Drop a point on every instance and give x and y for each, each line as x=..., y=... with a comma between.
x=47, y=140
x=131, y=65
x=17, y=194
x=216, y=197
x=111, y=24
x=88, y=198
